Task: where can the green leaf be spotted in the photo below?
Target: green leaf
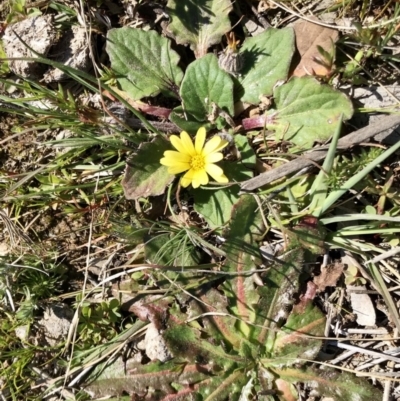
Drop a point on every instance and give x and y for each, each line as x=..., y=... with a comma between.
x=185, y=342
x=283, y=279
x=291, y=346
x=247, y=155
x=187, y=122
x=227, y=389
x=199, y=23
x=216, y=205
x=307, y=112
x=155, y=375
x=341, y=386
x=144, y=62
x=144, y=175
x=267, y=58
x=205, y=83
x=242, y=254
x=281, y=282
x=243, y=233
x=217, y=326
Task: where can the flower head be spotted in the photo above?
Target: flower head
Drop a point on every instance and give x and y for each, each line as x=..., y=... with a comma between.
x=197, y=160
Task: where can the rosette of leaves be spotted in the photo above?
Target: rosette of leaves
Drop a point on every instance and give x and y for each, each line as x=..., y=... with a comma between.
x=144, y=64
x=243, y=340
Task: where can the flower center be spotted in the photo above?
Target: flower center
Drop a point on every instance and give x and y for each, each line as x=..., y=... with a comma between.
x=197, y=162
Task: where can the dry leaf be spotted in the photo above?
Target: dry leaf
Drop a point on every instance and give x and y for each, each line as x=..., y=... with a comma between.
x=362, y=306
x=308, y=37
x=329, y=276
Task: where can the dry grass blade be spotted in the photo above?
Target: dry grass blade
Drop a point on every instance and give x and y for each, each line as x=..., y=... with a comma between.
x=15, y=233
x=380, y=283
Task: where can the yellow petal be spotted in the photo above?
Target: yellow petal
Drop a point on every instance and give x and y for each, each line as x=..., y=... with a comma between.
x=177, y=144
x=200, y=139
x=178, y=168
x=186, y=180
x=200, y=177
x=187, y=143
x=213, y=157
x=215, y=171
x=176, y=156
x=166, y=162
x=222, y=179
x=215, y=144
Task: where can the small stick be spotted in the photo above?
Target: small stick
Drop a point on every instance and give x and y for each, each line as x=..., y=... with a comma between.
x=355, y=138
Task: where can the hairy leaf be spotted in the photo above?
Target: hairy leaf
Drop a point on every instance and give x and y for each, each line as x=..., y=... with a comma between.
x=216, y=205
x=283, y=282
x=187, y=122
x=292, y=343
x=119, y=377
x=144, y=62
x=226, y=388
x=242, y=254
x=307, y=112
x=267, y=58
x=144, y=175
x=246, y=152
x=341, y=386
x=217, y=326
x=185, y=342
x=205, y=83
x=199, y=23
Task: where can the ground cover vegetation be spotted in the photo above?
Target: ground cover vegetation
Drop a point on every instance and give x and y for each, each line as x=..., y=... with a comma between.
x=195, y=202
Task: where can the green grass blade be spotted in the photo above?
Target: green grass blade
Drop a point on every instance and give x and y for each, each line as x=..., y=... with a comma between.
x=319, y=189
x=380, y=283
x=334, y=196
x=359, y=216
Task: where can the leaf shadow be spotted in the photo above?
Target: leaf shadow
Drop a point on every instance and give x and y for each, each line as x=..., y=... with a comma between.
x=191, y=15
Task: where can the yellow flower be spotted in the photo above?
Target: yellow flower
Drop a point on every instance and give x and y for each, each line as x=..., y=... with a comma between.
x=198, y=159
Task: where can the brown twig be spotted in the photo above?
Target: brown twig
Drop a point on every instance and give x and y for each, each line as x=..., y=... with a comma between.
x=355, y=138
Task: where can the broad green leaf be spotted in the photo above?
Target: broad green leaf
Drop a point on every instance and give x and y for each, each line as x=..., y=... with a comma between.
x=266, y=58
x=205, y=83
x=310, y=235
x=216, y=205
x=185, y=342
x=242, y=254
x=341, y=386
x=247, y=155
x=307, y=112
x=187, y=122
x=217, y=326
x=291, y=346
x=243, y=233
x=144, y=62
x=228, y=388
x=115, y=380
x=199, y=23
x=144, y=175
x=283, y=280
